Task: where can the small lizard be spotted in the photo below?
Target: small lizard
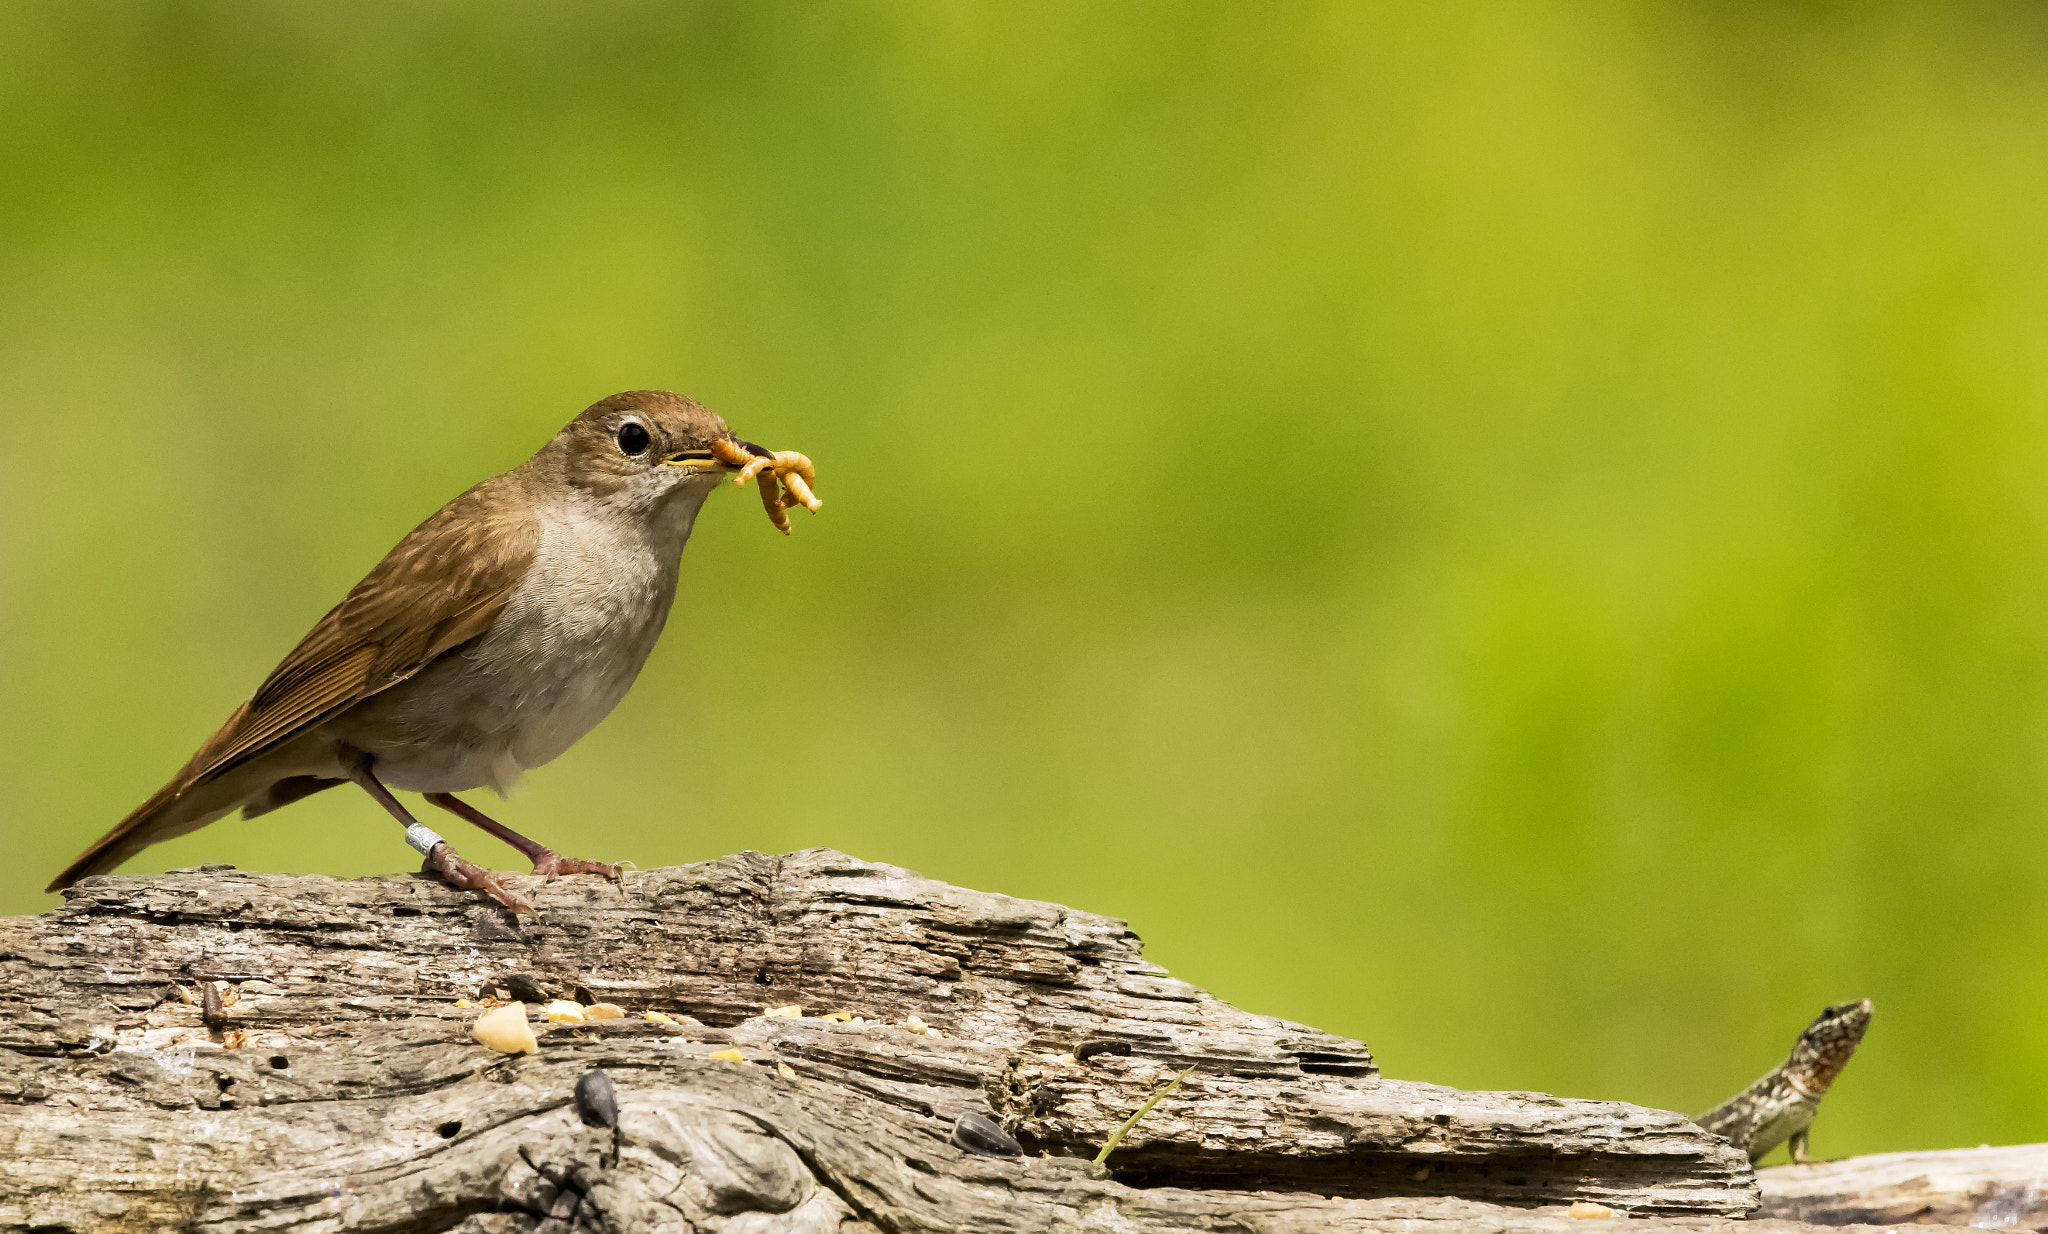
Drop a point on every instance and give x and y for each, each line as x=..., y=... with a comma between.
x=1781, y=1105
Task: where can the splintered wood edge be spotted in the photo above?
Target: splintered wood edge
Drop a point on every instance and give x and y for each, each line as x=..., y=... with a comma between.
x=351, y=985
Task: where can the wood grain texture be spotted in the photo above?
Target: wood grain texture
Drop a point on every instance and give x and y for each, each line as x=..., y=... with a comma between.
x=356, y=1100
x=1991, y=1188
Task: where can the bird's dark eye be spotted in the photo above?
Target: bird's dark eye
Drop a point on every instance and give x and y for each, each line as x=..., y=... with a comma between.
x=633, y=438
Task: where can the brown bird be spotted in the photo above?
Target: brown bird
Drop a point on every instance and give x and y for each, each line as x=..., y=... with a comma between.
x=492, y=637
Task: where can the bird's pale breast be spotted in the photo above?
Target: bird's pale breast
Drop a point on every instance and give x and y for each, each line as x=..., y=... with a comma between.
x=561, y=655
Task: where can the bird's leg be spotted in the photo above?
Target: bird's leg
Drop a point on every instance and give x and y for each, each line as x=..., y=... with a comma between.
x=546, y=861
x=442, y=860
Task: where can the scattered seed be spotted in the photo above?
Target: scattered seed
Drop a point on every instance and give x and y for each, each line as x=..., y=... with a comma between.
x=597, y=1104
x=522, y=988
x=915, y=1025
x=844, y=1017
x=1067, y=1060
x=234, y=1039
x=562, y=1011
x=786, y=1071
x=978, y=1133
x=1588, y=1209
x=659, y=1018
x=794, y=1011
x=731, y=1056
x=463, y=1002
x=604, y=1011
x=505, y=1029
x=1089, y=1049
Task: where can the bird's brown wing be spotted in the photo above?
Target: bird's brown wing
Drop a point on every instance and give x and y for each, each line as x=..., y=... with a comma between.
x=443, y=585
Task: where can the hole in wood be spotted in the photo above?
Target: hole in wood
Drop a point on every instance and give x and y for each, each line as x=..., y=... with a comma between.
x=1333, y=1064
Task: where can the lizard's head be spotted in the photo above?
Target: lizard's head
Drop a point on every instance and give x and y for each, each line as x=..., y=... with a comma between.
x=1824, y=1048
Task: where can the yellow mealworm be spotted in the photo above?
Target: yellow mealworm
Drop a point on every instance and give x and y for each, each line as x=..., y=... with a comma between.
x=771, y=500
x=731, y=453
x=801, y=491
x=784, y=478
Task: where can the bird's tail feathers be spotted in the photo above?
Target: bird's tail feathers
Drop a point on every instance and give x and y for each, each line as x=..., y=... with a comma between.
x=172, y=811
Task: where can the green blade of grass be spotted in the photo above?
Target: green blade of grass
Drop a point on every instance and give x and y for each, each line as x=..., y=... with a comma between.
x=1117, y=1137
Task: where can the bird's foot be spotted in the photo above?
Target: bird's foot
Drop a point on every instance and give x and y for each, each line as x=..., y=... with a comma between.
x=785, y=478
x=452, y=868
x=551, y=865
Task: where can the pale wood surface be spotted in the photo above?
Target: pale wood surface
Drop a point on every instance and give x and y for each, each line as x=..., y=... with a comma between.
x=356, y=1100
x=1997, y=1188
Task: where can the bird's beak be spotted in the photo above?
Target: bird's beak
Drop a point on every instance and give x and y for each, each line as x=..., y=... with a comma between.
x=727, y=459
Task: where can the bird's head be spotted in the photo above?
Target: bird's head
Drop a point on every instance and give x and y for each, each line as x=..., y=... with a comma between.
x=641, y=447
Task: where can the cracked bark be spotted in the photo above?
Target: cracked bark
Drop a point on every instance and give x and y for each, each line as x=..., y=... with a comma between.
x=1991, y=1188
x=354, y=1099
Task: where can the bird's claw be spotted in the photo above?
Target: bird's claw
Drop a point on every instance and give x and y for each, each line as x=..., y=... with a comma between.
x=457, y=871
x=551, y=865
x=784, y=479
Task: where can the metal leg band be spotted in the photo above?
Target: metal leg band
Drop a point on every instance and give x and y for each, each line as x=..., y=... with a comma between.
x=422, y=838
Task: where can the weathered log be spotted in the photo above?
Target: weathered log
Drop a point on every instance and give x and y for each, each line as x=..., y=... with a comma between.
x=1994, y=1188
x=340, y=1088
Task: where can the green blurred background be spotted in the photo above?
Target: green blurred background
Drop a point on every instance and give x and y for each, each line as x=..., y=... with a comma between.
x=1517, y=532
